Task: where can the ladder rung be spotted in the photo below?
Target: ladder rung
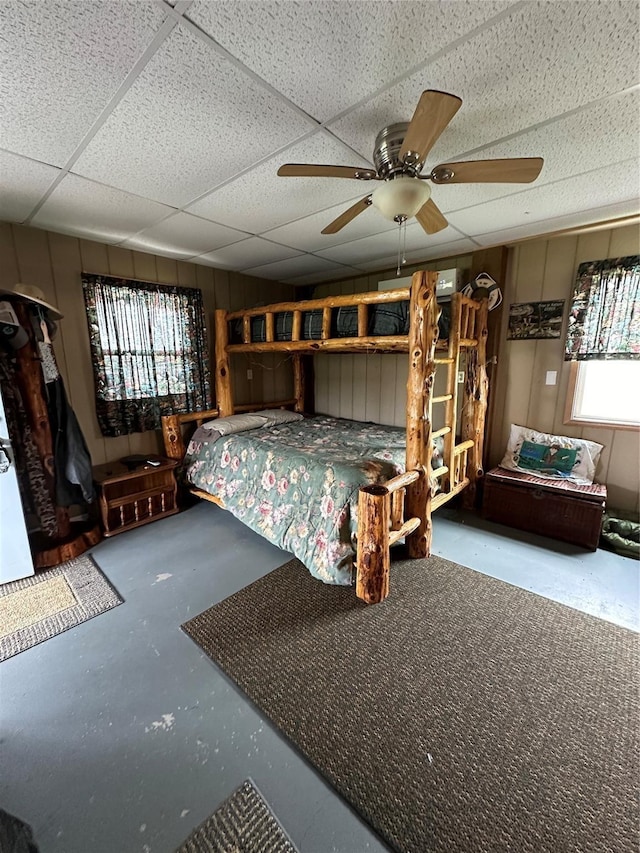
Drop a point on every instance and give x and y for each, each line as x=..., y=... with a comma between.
x=442, y=399
x=438, y=472
x=443, y=431
x=443, y=361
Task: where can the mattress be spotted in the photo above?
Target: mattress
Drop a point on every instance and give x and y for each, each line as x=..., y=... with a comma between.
x=297, y=484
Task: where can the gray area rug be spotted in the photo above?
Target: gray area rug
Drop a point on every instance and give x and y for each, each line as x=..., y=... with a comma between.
x=39, y=607
x=462, y=714
x=244, y=823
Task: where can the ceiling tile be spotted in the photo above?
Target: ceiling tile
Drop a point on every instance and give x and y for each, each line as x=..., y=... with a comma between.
x=248, y=253
x=456, y=247
x=86, y=209
x=537, y=204
x=306, y=234
x=545, y=59
x=61, y=63
x=593, y=138
x=383, y=245
x=294, y=267
x=183, y=236
x=24, y=182
x=190, y=121
x=322, y=277
x=260, y=200
x=559, y=223
x=354, y=48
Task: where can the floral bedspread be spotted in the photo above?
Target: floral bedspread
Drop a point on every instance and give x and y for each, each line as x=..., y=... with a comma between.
x=297, y=483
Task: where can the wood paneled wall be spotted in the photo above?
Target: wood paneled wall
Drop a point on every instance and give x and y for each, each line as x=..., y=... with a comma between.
x=541, y=270
x=54, y=263
x=371, y=387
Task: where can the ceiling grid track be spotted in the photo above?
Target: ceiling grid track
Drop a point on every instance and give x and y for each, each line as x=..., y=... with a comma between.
x=165, y=28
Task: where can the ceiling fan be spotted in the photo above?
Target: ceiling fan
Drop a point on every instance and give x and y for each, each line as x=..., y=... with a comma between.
x=399, y=154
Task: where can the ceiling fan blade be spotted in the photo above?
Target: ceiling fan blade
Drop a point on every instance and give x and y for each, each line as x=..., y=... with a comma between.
x=518, y=170
x=433, y=113
x=347, y=216
x=309, y=170
x=431, y=218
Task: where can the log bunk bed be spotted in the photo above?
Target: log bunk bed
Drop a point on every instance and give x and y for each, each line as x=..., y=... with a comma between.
x=399, y=507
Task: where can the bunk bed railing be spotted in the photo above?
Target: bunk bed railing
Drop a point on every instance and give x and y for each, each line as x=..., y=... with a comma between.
x=373, y=297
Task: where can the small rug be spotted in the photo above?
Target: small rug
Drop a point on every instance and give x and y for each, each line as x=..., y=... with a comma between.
x=39, y=607
x=462, y=714
x=244, y=823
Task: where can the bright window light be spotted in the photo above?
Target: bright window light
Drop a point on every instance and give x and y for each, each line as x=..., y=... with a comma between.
x=607, y=392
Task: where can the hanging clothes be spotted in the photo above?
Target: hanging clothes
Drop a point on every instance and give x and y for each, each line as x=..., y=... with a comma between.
x=37, y=501
x=72, y=461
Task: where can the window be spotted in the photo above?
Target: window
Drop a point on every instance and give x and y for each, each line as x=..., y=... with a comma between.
x=149, y=349
x=604, y=392
x=603, y=342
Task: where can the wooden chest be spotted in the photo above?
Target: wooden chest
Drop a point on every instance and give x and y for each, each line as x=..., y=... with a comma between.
x=553, y=508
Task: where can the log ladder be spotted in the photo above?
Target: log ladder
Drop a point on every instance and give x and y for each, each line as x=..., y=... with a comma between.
x=402, y=507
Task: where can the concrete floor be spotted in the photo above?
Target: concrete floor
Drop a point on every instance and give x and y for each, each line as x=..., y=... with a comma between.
x=120, y=736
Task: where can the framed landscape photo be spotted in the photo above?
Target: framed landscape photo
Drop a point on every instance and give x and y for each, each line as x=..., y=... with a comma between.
x=530, y=321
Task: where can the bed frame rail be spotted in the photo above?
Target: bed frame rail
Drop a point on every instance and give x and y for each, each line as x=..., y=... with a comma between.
x=173, y=426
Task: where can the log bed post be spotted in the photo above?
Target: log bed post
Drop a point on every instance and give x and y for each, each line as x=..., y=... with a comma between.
x=423, y=334
x=172, y=437
x=476, y=393
x=451, y=406
x=224, y=396
x=373, y=558
x=298, y=383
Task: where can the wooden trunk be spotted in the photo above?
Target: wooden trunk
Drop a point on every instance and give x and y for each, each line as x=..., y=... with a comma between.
x=557, y=510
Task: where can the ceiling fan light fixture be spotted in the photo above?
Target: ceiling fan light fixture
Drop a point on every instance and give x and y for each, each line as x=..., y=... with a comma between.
x=401, y=198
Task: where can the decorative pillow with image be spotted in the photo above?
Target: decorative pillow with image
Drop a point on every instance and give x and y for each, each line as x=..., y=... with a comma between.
x=236, y=423
x=555, y=456
x=275, y=417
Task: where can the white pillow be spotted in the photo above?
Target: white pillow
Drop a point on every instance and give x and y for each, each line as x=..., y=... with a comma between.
x=275, y=417
x=236, y=423
x=557, y=457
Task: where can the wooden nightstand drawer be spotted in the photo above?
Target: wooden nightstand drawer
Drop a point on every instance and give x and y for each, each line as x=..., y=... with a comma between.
x=130, y=498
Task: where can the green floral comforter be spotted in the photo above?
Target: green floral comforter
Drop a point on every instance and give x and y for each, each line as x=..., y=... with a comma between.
x=297, y=483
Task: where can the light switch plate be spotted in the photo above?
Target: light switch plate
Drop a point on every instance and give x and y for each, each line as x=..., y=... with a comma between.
x=552, y=377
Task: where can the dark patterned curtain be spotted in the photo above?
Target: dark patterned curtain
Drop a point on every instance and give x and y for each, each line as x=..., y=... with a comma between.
x=149, y=349
x=604, y=321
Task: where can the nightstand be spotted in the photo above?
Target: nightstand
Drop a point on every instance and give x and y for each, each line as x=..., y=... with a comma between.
x=130, y=498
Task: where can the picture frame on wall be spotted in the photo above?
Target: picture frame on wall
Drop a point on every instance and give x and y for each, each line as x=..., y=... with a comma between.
x=530, y=321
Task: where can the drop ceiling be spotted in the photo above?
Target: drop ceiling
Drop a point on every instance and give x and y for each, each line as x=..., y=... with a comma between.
x=160, y=127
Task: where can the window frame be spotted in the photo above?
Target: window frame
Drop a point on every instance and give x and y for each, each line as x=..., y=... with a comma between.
x=584, y=422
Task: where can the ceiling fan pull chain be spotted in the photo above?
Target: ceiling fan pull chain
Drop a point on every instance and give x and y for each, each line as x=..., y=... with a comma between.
x=402, y=243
